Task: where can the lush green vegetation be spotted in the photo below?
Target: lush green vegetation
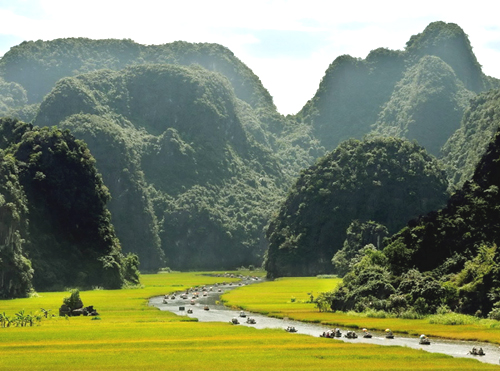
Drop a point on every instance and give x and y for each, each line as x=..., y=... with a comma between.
x=197, y=160
x=418, y=93
x=55, y=227
x=291, y=297
x=386, y=180
x=132, y=336
x=461, y=238
x=38, y=65
x=463, y=151
x=426, y=105
x=181, y=156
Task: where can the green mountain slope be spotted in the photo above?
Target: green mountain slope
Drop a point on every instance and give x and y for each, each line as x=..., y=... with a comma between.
x=447, y=258
x=418, y=93
x=385, y=180
x=178, y=151
x=38, y=65
x=55, y=226
x=426, y=105
x=464, y=149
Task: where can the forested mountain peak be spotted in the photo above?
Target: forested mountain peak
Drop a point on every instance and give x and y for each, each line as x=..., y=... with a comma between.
x=189, y=165
x=55, y=227
x=38, y=65
x=448, y=258
x=381, y=93
x=450, y=43
x=386, y=180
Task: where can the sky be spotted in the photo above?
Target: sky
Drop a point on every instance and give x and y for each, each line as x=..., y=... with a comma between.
x=288, y=44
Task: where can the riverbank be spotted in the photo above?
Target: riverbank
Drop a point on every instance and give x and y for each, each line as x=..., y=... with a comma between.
x=291, y=297
x=131, y=335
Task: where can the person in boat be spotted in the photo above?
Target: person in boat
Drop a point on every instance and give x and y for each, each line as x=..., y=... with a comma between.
x=424, y=340
x=389, y=334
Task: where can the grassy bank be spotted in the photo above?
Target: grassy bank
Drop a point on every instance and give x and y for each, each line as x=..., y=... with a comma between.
x=133, y=336
x=290, y=297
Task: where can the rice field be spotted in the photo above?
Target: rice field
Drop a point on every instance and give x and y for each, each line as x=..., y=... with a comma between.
x=130, y=335
x=290, y=297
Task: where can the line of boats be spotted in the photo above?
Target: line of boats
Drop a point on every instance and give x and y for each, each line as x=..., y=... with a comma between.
x=337, y=333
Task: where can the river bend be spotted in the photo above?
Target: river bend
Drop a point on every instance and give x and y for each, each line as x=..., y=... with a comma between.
x=220, y=313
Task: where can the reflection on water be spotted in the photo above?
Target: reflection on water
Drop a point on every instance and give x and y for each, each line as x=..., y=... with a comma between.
x=220, y=313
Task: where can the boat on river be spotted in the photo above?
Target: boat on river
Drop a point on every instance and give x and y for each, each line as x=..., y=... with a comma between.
x=389, y=334
x=367, y=334
x=351, y=335
x=424, y=340
x=477, y=351
x=235, y=321
x=251, y=321
x=291, y=329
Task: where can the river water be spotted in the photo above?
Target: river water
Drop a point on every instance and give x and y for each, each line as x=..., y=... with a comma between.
x=220, y=313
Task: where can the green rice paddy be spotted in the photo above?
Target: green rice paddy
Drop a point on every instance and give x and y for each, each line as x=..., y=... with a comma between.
x=290, y=297
x=133, y=336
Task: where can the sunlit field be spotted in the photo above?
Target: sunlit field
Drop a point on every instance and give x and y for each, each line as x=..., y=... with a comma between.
x=130, y=335
x=290, y=297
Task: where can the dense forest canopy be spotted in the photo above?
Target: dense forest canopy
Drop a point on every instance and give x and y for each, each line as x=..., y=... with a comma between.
x=385, y=180
x=55, y=228
x=196, y=162
x=447, y=258
x=38, y=65
x=190, y=167
x=417, y=93
x=466, y=146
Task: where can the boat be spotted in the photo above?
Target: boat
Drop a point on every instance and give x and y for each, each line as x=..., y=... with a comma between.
x=251, y=321
x=389, y=334
x=206, y=307
x=242, y=314
x=351, y=335
x=190, y=311
x=367, y=334
x=337, y=333
x=291, y=329
x=235, y=321
x=477, y=352
x=424, y=340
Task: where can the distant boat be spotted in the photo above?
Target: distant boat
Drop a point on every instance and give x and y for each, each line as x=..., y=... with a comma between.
x=291, y=329
x=424, y=340
x=351, y=335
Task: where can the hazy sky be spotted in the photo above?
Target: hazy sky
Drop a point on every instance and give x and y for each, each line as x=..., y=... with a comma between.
x=288, y=44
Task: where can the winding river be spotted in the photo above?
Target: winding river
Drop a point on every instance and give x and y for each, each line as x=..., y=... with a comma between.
x=220, y=313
